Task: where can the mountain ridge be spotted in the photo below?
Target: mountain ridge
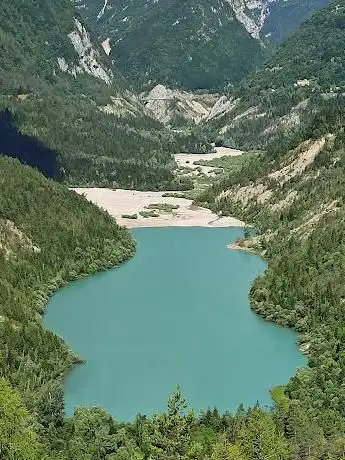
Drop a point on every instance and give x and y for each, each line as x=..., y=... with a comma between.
x=176, y=48
x=191, y=45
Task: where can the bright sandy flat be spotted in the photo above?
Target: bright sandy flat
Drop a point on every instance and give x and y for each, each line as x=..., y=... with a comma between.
x=182, y=158
x=119, y=202
x=187, y=160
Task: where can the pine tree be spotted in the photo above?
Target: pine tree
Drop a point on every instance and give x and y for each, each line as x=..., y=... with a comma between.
x=168, y=435
x=18, y=439
x=224, y=450
x=260, y=438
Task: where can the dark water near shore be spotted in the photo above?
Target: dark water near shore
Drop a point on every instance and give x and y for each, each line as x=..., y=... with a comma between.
x=177, y=313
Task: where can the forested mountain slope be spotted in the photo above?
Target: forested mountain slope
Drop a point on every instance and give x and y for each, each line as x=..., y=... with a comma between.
x=48, y=236
x=285, y=16
x=62, y=89
x=197, y=44
x=184, y=44
x=306, y=72
x=294, y=195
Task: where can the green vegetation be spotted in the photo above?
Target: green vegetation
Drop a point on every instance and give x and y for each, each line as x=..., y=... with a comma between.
x=201, y=183
x=18, y=439
x=187, y=47
x=280, y=399
x=129, y=216
x=173, y=195
x=227, y=163
x=286, y=16
x=196, y=45
x=147, y=214
x=303, y=76
x=192, y=138
x=300, y=215
x=296, y=203
x=222, y=167
x=48, y=237
x=163, y=207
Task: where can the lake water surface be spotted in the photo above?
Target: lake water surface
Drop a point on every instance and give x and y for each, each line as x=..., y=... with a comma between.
x=177, y=313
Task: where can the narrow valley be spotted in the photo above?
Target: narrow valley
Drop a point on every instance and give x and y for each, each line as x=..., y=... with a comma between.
x=172, y=222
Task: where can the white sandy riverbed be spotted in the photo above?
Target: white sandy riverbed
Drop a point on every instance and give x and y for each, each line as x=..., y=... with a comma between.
x=119, y=202
x=186, y=160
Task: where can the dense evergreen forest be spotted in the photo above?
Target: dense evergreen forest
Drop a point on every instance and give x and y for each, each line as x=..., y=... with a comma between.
x=196, y=44
x=294, y=196
x=286, y=16
x=191, y=45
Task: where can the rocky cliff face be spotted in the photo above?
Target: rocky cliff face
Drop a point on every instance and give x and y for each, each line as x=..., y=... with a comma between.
x=87, y=58
x=252, y=14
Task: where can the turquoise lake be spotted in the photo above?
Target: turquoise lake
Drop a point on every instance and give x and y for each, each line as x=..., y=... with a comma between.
x=177, y=313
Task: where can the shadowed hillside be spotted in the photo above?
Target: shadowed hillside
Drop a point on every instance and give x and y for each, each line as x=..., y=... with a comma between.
x=26, y=149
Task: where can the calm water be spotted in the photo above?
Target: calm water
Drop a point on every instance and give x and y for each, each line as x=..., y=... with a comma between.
x=177, y=313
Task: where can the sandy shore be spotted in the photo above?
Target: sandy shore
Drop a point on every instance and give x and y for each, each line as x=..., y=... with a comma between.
x=119, y=202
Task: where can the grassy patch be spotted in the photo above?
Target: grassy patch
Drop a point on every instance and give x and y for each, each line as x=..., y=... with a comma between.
x=280, y=399
x=129, y=216
x=174, y=195
x=147, y=214
x=162, y=207
x=227, y=163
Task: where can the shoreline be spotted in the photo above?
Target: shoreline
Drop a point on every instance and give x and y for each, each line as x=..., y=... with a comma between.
x=247, y=248
x=237, y=247
x=121, y=202
x=77, y=360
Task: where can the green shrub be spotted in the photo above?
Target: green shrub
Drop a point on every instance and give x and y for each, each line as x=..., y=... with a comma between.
x=129, y=216
x=147, y=214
